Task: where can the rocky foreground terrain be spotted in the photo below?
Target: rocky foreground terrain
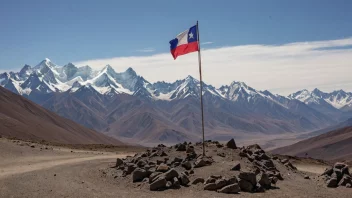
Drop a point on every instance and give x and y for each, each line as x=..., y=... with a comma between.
x=224, y=169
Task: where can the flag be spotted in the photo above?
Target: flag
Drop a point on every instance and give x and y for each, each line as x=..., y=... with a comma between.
x=184, y=43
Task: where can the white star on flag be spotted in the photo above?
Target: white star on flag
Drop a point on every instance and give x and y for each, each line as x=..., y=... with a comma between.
x=190, y=35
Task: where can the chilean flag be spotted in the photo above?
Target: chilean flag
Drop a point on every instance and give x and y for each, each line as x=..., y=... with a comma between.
x=184, y=43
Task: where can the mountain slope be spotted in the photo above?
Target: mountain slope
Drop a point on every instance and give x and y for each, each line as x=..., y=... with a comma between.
x=334, y=145
x=23, y=119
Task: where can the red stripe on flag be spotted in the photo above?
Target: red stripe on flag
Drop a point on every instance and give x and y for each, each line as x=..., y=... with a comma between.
x=184, y=49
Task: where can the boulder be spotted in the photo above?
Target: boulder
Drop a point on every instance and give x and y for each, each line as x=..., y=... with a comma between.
x=184, y=179
x=119, y=162
x=222, y=154
x=139, y=174
x=163, y=168
x=231, y=144
x=236, y=167
x=129, y=168
x=248, y=176
x=332, y=183
x=230, y=189
x=199, y=163
x=210, y=187
x=160, y=183
x=348, y=185
x=187, y=165
x=259, y=188
x=306, y=177
x=197, y=181
x=245, y=186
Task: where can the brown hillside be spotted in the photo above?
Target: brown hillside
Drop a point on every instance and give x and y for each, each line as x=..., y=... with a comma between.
x=334, y=145
x=21, y=118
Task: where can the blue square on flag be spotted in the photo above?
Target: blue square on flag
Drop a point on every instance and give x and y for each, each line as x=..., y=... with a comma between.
x=185, y=42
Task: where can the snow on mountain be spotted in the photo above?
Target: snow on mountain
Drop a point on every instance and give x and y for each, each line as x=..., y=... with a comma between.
x=337, y=99
x=47, y=77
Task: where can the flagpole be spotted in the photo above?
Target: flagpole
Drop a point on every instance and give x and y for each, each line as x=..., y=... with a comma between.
x=201, y=86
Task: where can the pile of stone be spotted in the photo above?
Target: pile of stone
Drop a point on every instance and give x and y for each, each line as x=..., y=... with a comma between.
x=262, y=162
x=338, y=175
x=246, y=182
x=161, y=172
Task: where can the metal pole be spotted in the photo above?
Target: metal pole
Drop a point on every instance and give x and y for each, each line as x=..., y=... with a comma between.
x=201, y=86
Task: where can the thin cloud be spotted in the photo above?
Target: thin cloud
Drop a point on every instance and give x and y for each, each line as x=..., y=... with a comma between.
x=207, y=43
x=149, y=49
x=282, y=69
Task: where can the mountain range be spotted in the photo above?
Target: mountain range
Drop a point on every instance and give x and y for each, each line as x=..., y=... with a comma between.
x=127, y=106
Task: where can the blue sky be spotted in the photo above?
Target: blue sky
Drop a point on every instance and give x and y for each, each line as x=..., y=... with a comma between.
x=78, y=31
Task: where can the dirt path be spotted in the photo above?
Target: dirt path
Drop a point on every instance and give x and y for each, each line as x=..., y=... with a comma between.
x=48, y=162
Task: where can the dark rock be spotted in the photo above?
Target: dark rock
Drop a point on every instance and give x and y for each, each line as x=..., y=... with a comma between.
x=232, y=180
x=177, y=159
x=306, y=177
x=119, y=162
x=268, y=163
x=129, y=168
x=237, y=167
x=328, y=171
x=337, y=174
x=153, y=176
x=187, y=165
x=160, y=183
x=158, y=162
x=274, y=179
x=219, y=145
x=181, y=147
x=169, y=175
x=248, y=176
x=138, y=175
x=345, y=170
x=245, y=186
x=348, y=185
x=275, y=158
x=162, y=168
x=168, y=184
x=200, y=162
x=332, y=183
x=141, y=163
x=231, y=144
x=278, y=175
x=210, y=180
x=176, y=183
x=184, y=179
x=264, y=181
x=197, y=181
x=191, y=171
x=216, y=176
x=220, y=183
x=190, y=149
x=346, y=179
x=210, y=187
x=230, y=189
x=163, y=154
x=339, y=165
x=259, y=188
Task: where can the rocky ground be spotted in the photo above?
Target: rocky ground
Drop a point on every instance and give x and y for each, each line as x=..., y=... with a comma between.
x=30, y=170
x=225, y=169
